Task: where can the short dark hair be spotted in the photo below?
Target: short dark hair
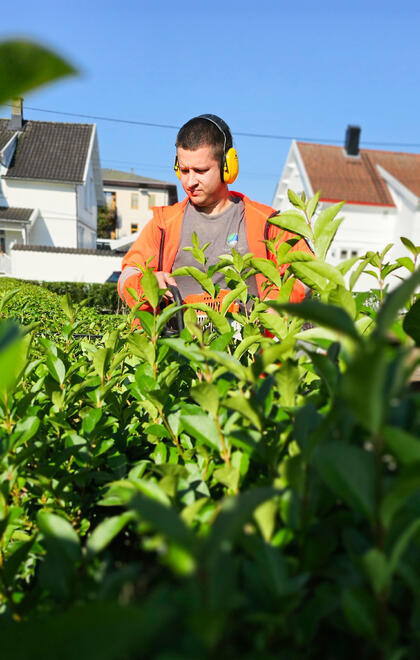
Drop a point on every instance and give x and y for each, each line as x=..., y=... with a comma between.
x=199, y=131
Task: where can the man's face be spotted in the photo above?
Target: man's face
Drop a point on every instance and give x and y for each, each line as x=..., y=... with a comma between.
x=200, y=176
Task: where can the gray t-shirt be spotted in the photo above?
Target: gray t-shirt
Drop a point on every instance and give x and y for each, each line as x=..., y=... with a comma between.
x=223, y=231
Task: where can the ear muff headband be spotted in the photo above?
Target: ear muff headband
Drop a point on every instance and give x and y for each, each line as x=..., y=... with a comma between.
x=229, y=167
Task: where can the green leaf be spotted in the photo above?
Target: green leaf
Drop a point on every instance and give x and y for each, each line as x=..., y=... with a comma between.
x=396, y=497
x=91, y=419
x=363, y=386
x=56, y=368
x=101, y=360
x=167, y=313
x=13, y=356
x=163, y=518
x=356, y=273
x=234, y=513
x=411, y=323
x=296, y=256
x=414, y=249
x=230, y=363
x=378, y=571
x=294, y=222
x=240, y=404
x=350, y=473
x=295, y=199
x=25, y=65
x=360, y=611
x=6, y=297
x=59, y=530
x=189, y=513
x=106, y=531
x=24, y=430
x=217, y=319
x=403, y=445
x=265, y=516
x=203, y=428
x=228, y=476
x=312, y=204
x=67, y=306
x=207, y=397
x=328, y=316
x=232, y=296
x=288, y=378
x=402, y=544
x=200, y=277
x=407, y=263
x=341, y=297
x=142, y=347
x=313, y=270
x=325, y=229
x=150, y=287
x=394, y=303
x=190, y=351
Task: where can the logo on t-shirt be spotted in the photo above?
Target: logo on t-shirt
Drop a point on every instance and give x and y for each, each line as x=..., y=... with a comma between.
x=232, y=240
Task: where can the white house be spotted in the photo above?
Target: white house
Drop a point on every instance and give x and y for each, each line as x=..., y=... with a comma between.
x=50, y=187
x=381, y=190
x=50, y=182
x=133, y=197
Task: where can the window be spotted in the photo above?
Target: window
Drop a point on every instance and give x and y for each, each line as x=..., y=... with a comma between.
x=134, y=201
x=2, y=241
x=152, y=200
x=111, y=200
x=134, y=227
x=343, y=254
x=354, y=253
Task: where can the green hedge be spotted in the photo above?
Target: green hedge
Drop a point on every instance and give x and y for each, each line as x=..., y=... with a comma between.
x=30, y=303
x=103, y=297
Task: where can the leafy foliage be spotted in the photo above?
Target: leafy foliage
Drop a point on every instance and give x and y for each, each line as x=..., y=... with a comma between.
x=224, y=492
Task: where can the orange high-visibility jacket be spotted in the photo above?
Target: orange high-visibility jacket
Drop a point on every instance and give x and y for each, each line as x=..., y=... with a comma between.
x=160, y=240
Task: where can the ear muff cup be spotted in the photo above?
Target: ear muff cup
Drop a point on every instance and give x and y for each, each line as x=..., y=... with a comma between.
x=230, y=166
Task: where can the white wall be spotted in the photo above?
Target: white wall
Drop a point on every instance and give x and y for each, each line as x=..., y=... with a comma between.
x=62, y=267
x=57, y=204
x=87, y=214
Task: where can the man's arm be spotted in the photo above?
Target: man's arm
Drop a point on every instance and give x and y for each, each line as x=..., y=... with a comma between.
x=145, y=250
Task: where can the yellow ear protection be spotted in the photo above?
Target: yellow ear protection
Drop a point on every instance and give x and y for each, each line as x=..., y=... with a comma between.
x=229, y=167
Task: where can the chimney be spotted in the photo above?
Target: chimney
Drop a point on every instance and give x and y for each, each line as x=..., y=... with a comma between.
x=16, y=121
x=352, y=140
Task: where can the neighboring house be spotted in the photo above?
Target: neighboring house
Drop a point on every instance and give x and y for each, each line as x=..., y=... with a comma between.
x=132, y=197
x=50, y=183
x=381, y=190
x=50, y=188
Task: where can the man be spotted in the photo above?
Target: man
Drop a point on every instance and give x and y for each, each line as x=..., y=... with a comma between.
x=205, y=163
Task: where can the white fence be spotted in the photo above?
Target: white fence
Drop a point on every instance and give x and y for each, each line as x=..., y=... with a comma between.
x=5, y=264
x=63, y=264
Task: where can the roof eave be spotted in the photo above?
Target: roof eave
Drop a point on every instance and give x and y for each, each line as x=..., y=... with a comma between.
x=307, y=185
x=399, y=187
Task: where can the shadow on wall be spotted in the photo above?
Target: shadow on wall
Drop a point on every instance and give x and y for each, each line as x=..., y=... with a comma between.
x=40, y=234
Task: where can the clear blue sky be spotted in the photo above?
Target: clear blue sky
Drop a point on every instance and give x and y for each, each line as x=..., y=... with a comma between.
x=305, y=70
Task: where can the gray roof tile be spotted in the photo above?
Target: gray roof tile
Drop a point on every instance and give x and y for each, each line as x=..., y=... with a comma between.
x=15, y=213
x=130, y=177
x=48, y=150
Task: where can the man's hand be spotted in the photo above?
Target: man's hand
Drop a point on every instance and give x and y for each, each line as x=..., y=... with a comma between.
x=164, y=280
